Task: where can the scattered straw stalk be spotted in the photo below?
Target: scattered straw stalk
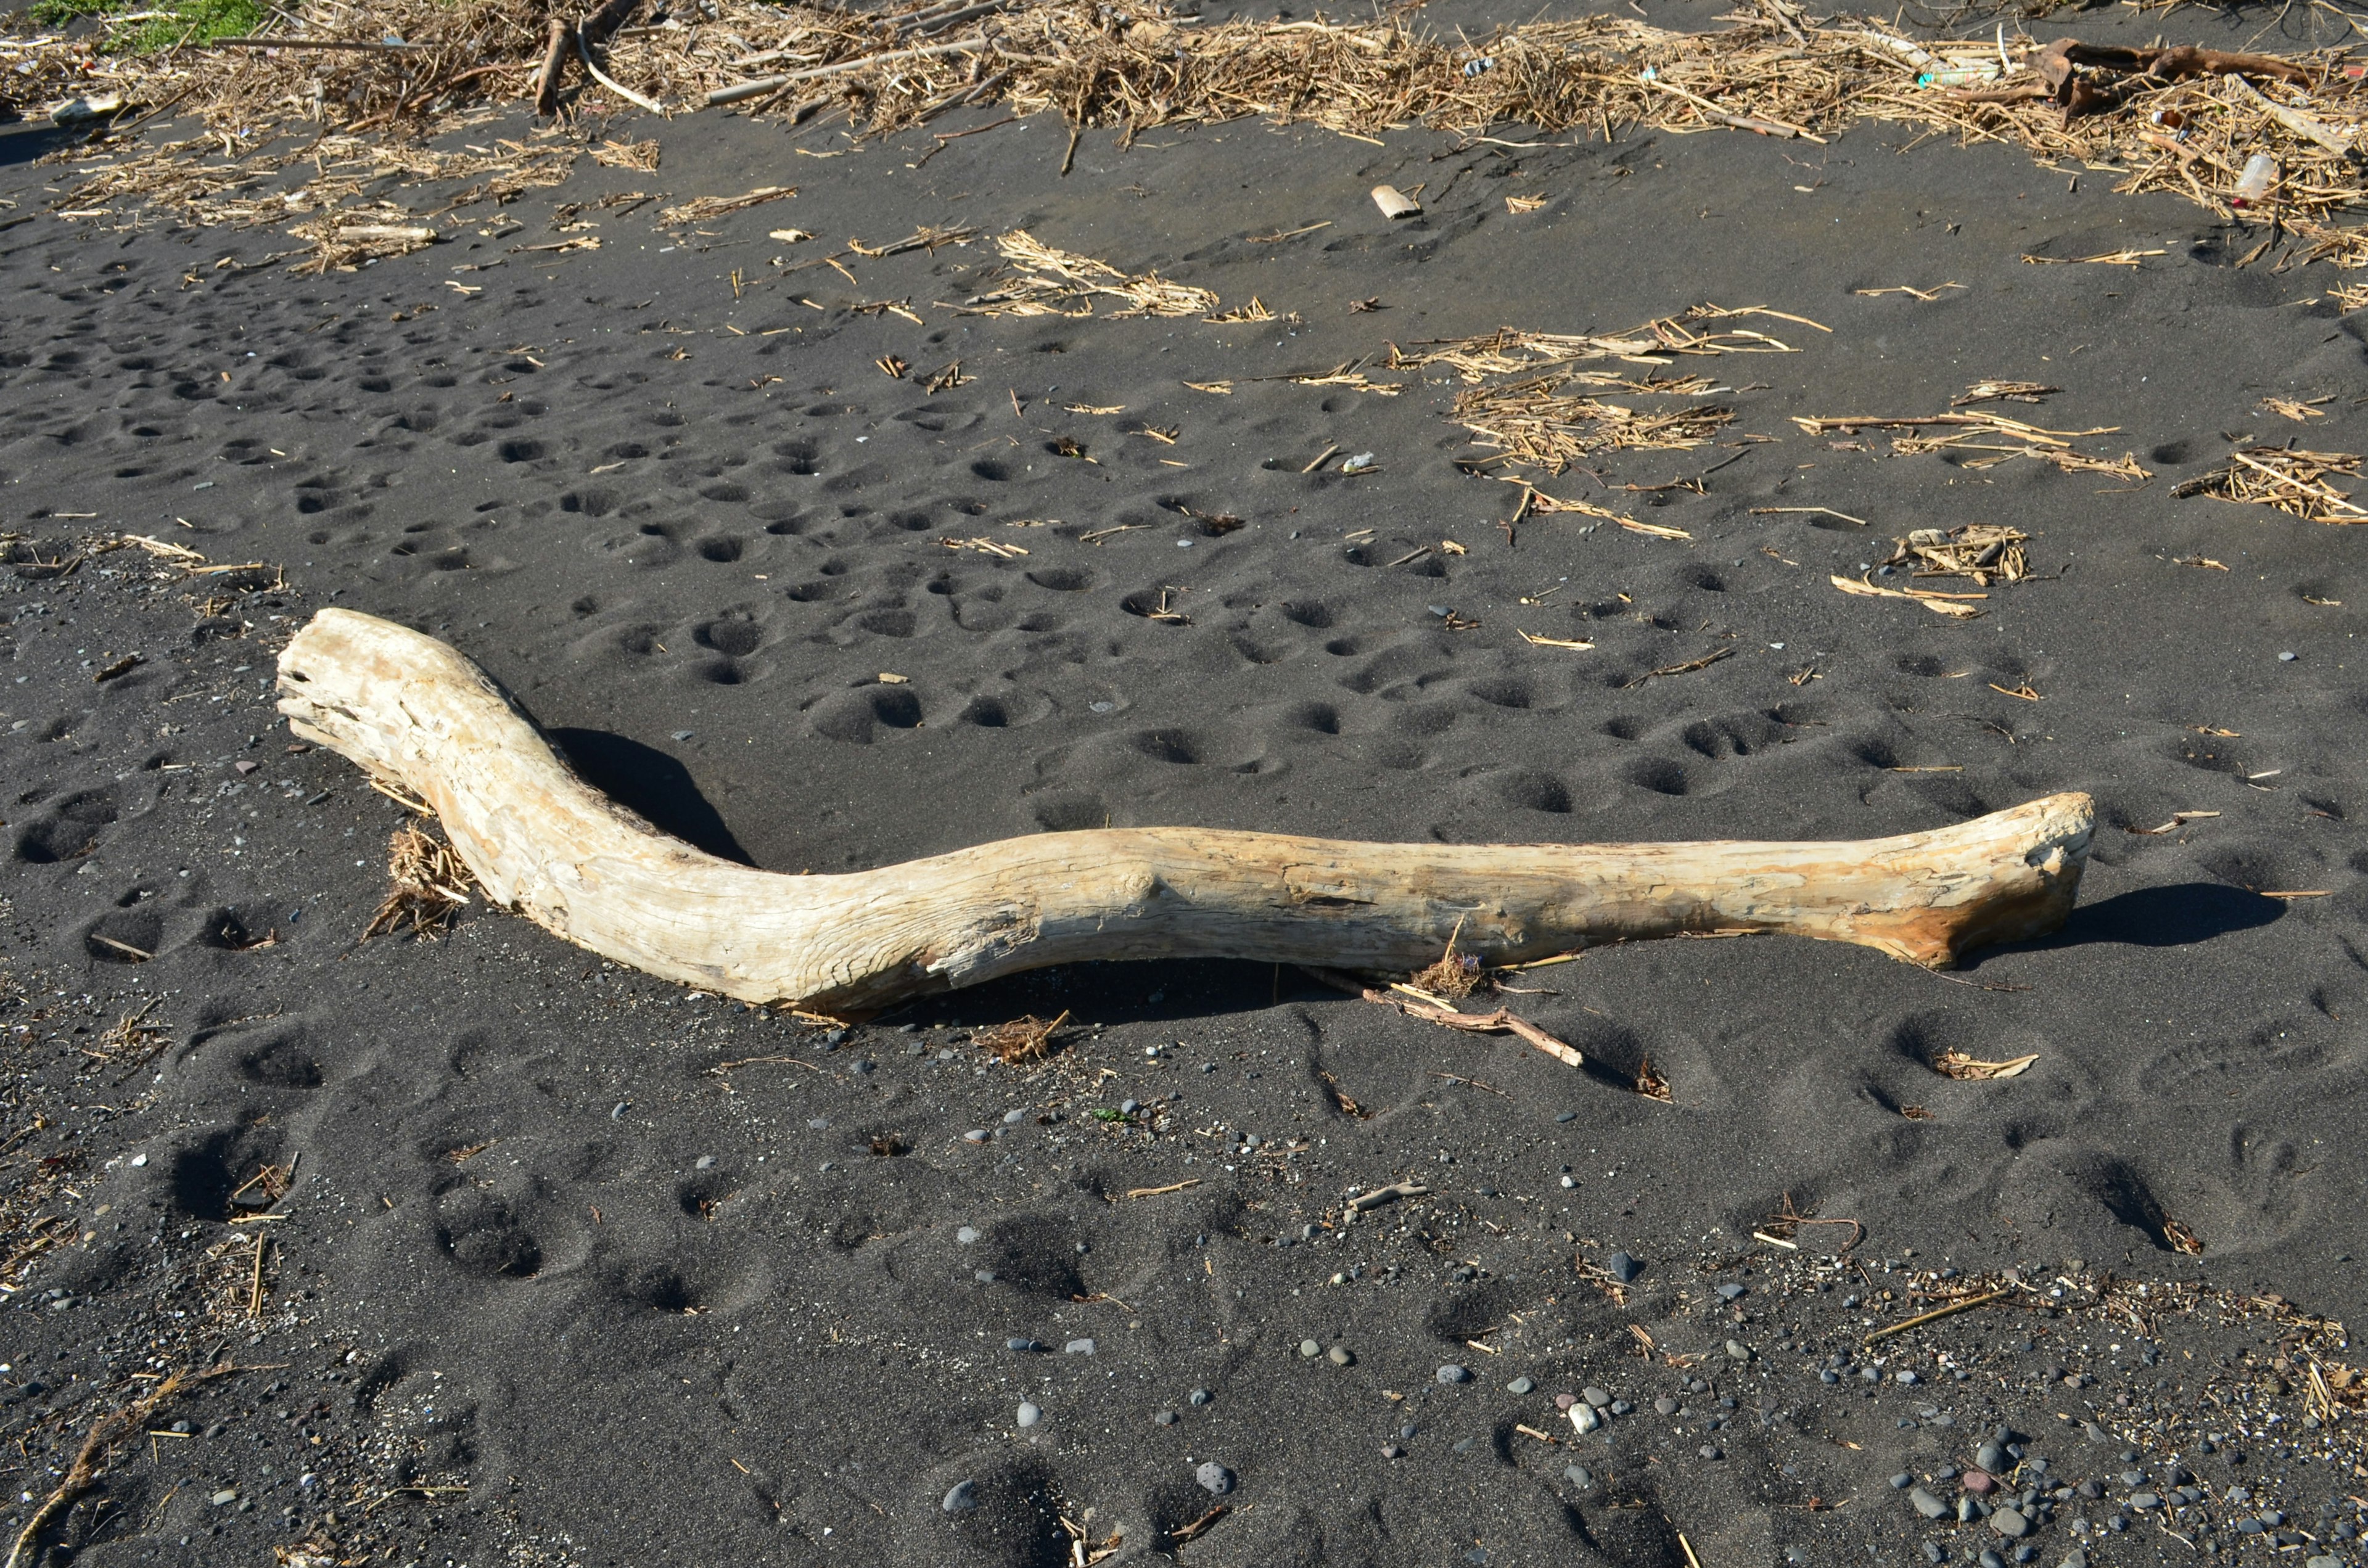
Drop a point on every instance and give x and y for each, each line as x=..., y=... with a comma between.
x=1042, y=281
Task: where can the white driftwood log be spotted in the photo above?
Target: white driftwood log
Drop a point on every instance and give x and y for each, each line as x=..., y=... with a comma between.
x=416, y=713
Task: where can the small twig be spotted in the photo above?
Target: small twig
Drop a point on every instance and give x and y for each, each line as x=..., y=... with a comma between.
x=1156, y=1191
x=1389, y=1194
x=1949, y=1311
x=1471, y=1083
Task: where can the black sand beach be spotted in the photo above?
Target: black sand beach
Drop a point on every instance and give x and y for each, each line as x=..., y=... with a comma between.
x=551, y=1263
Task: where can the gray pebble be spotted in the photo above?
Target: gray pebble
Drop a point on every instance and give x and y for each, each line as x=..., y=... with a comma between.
x=1665, y=1406
x=1452, y=1373
x=1168, y=1419
x=1014, y=1117
x=1201, y=1397
x=1620, y=1407
x=985, y=1276
x=704, y=1162
x=1584, y=1418
x=1924, y=1503
x=1567, y=1116
x=977, y=1135
x=1021, y=1345
x=1310, y=1349
x=1595, y=1396
x=1522, y=1385
x=1028, y=1415
x=2009, y=1523
x=967, y=1235
x=962, y=1499
x=1711, y=1451
x=1341, y=1355
x=1902, y=1482
x=2287, y=658
x=818, y=1124
x=2144, y=1501
x=1215, y=1477
x=1622, y=1267
x=1990, y=1457
x=1079, y=1347
x=1739, y=1350
x=1730, y=1292
x=1580, y=1475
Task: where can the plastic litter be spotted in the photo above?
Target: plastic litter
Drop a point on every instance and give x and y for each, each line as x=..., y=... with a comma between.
x=2253, y=185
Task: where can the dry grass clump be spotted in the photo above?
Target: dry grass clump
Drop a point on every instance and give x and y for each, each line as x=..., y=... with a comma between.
x=1527, y=401
x=2287, y=478
x=1983, y=551
x=1453, y=977
x=1042, y=281
x=131, y=1042
x=429, y=885
x=1024, y=1040
x=1535, y=422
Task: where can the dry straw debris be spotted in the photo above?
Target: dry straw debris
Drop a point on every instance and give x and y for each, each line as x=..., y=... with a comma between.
x=2287, y=478
x=1024, y=1040
x=1984, y=552
x=1981, y=440
x=2183, y=121
x=429, y=885
x=1042, y=281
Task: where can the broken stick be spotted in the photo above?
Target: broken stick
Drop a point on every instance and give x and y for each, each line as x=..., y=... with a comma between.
x=413, y=710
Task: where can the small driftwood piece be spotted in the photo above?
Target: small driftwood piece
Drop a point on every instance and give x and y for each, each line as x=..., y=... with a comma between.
x=594, y=32
x=2060, y=79
x=416, y=713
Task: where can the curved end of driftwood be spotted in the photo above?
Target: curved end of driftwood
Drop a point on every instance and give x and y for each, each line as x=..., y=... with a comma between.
x=2023, y=869
x=416, y=713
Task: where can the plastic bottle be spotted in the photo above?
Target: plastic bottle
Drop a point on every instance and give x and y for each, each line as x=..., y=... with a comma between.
x=1960, y=76
x=2253, y=185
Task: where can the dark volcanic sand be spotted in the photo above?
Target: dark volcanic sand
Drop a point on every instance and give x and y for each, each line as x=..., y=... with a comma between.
x=551, y=1288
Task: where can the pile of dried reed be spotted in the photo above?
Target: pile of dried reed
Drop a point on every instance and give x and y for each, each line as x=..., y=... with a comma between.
x=1983, y=551
x=2286, y=478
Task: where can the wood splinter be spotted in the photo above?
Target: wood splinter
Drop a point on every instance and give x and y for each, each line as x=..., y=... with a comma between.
x=414, y=712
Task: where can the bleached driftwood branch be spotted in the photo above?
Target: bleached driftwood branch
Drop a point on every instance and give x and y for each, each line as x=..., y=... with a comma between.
x=417, y=714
